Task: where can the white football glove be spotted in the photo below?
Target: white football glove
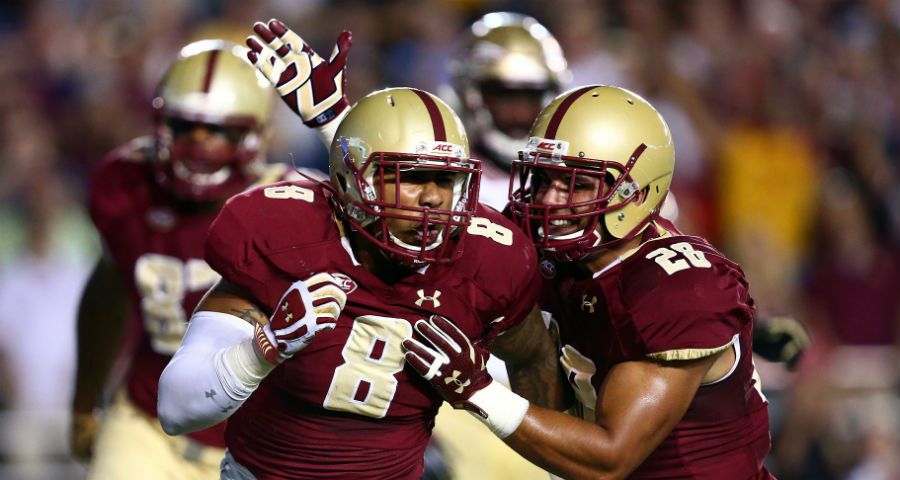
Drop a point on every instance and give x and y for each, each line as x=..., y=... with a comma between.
x=311, y=86
x=306, y=308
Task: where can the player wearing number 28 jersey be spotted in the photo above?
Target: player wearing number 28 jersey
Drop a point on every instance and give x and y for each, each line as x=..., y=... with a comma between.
x=675, y=298
x=654, y=327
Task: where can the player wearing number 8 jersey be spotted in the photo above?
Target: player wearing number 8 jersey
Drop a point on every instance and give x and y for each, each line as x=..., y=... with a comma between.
x=400, y=236
x=654, y=326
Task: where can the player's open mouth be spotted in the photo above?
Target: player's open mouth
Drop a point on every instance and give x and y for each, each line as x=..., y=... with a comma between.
x=429, y=234
x=562, y=227
x=203, y=179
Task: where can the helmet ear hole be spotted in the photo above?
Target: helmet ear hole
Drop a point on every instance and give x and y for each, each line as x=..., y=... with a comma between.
x=343, y=184
x=642, y=195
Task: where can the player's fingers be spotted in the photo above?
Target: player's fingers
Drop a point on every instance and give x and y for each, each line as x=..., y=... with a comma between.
x=265, y=60
x=254, y=45
x=452, y=332
x=330, y=291
x=423, y=359
x=263, y=31
x=437, y=338
x=324, y=327
x=416, y=362
x=292, y=332
x=290, y=39
x=277, y=26
x=331, y=309
x=341, y=48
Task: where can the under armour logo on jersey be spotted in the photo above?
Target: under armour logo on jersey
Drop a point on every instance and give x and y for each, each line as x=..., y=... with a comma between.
x=425, y=298
x=588, y=305
x=455, y=379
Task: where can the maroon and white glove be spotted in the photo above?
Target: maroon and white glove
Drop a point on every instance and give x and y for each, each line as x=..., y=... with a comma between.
x=455, y=368
x=306, y=308
x=311, y=86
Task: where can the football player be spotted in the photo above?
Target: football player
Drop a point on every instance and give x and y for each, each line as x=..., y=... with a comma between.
x=508, y=67
x=654, y=326
x=299, y=344
x=153, y=200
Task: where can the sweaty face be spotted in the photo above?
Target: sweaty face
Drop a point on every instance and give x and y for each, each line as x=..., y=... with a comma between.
x=561, y=188
x=204, y=153
x=418, y=190
x=513, y=109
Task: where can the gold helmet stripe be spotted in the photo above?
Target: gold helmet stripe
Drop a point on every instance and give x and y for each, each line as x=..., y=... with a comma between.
x=210, y=68
x=560, y=112
x=437, y=122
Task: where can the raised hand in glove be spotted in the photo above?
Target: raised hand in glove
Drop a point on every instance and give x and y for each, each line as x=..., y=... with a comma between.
x=780, y=339
x=311, y=86
x=306, y=308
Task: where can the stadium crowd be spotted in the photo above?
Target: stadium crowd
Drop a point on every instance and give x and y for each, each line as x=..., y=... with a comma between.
x=785, y=118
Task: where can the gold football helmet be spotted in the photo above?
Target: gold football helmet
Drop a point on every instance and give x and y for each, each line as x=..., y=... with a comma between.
x=606, y=133
x=509, y=67
x=397, y=132
x=212, y=84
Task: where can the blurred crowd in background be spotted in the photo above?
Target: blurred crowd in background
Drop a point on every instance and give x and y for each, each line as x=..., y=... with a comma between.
x=786, y=119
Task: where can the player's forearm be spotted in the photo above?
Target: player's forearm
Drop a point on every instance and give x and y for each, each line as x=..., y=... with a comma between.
x=102, y=316
x=211, y=375
x=569, y=447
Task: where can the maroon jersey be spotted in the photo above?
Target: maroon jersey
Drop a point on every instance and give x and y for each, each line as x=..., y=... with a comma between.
x=346, y=406
x=675, y=298
x=158, y=249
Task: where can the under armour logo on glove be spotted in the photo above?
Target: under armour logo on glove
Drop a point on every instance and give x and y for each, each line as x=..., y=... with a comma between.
x=310, y=86
x=455, y=379
x=453, y=365
x=306, y=308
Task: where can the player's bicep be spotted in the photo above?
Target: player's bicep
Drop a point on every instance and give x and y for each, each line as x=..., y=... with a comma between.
x=226, y=297
x=640, y=402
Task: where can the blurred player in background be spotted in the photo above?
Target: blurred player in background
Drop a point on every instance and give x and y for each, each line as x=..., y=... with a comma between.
x=153, y=200
x=654, y=327
x=508, y=67
x=396, y=236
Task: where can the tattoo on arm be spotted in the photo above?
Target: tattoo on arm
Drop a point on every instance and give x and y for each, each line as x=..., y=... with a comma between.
x=250, y=315
x=532, y=361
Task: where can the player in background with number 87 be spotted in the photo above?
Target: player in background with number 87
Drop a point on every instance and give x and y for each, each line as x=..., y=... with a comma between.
x=152, y=200
x=310, y=373
x=654, y=326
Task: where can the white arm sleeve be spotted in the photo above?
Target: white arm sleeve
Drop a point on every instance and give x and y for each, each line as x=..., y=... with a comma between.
x=210, y=375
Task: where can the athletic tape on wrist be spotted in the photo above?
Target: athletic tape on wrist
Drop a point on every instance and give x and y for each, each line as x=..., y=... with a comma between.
x=505, y=410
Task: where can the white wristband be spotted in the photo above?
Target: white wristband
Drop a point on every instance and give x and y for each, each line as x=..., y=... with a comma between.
x=505, y=410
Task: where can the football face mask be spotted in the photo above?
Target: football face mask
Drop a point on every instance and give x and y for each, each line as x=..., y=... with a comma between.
x=414, y=206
